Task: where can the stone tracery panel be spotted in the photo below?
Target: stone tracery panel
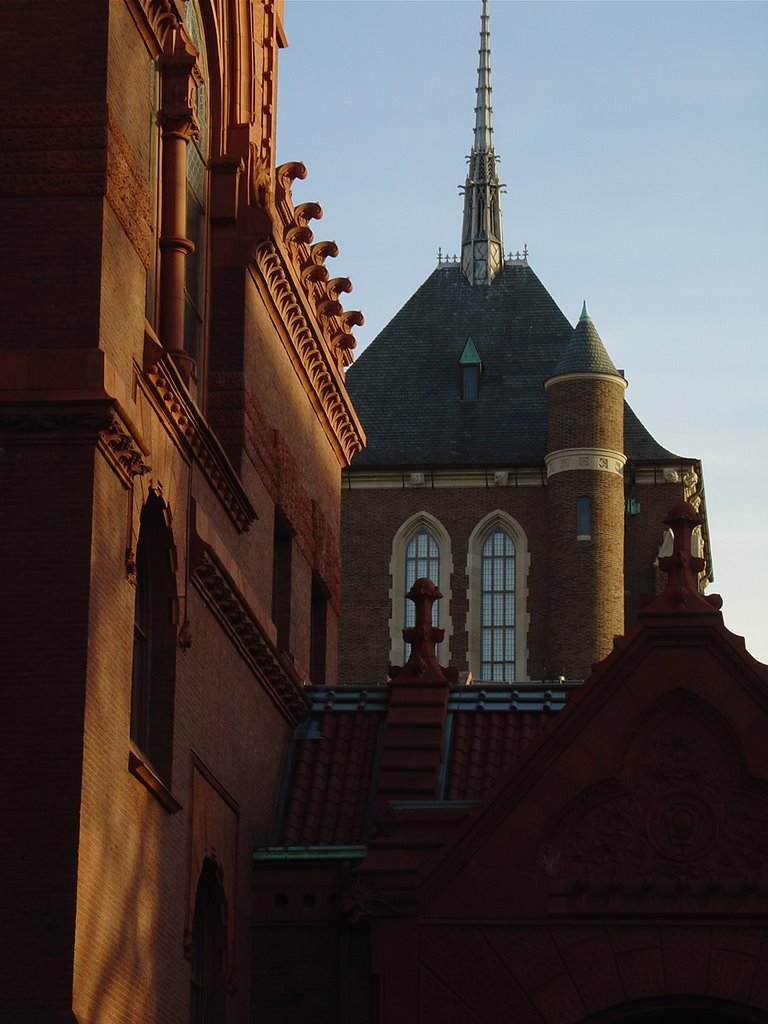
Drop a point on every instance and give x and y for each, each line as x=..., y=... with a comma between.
x=681, y=821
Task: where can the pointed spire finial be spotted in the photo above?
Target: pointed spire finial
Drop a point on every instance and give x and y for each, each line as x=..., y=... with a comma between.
x=584, y=312
x=482, y=250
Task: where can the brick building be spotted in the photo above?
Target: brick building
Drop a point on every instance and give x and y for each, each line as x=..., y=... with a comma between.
x=544, y=853
x=193, y=833
x=174, y=419
x=503, y=463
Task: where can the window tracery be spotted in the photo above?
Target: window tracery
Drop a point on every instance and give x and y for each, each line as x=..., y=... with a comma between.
x=421, y=547
x=497, y=616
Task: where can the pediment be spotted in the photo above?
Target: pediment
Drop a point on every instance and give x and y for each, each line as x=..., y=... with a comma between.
x=648, y=794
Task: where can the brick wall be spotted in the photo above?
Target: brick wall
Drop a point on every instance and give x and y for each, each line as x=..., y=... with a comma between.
x=102, y=861
x=370, y=519
x=586, y=592
x=45, y=515
x=586, y=413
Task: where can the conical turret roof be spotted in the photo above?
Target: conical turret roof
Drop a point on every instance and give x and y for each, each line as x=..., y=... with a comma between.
x=585, y=352
x=405, y=385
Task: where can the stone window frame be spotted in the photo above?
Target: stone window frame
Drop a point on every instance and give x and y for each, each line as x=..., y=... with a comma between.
x=584, y=517
x=421, y=520
x=153, y=669
x=488, y=525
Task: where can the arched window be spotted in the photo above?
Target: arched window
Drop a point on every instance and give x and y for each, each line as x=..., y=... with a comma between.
x=421, y=547
x=422, y=558
x=154, y=640
x=207, y=990
x=497, y=627
x=497, y=617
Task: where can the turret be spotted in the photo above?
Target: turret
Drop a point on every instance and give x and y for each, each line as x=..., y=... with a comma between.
x=585, y=467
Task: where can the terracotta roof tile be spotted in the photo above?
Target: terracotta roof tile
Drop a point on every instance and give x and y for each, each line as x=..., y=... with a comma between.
x=335, y=755
x=331, y=784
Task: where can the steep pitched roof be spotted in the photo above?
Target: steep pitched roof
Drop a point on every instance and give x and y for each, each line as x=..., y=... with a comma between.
x=409, y=376
x=585, y=352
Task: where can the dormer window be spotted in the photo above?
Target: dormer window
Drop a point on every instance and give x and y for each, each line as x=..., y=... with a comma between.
x=471, y=366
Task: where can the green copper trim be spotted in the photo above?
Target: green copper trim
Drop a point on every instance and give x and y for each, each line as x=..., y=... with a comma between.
x=470, y=357
x=311, y=852
x=584, y=312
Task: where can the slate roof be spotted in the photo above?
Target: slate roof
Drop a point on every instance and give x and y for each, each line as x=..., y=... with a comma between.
x=585, y=352
x=405, y=385
x=330, y=784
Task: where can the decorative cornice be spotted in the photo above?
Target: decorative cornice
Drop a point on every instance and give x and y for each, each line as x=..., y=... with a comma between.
x=156, y=20
x=193, y=434
x=33, y=423
x=122, y=451
x=53, y=150
x=308, y=262
x=276, y=675
x=611, y=378
x=407, y=478
x=604, y=460
x=325, y=383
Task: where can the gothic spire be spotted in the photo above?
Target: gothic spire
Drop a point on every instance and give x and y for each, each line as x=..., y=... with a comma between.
x=482, y=251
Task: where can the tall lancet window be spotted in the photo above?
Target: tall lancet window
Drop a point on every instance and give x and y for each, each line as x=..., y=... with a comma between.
x=497, y=631
x=422, y=558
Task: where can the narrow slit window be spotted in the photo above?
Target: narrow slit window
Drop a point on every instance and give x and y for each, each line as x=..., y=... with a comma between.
x=470, y=383
x=583, y=518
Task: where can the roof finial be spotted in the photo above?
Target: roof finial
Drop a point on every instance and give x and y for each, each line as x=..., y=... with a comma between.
x=585, y=312
x=482, y=251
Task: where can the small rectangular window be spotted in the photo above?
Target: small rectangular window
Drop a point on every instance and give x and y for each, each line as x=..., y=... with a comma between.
x=282, y=581
x=470, y=381
x=583, y=518
x=318, y=633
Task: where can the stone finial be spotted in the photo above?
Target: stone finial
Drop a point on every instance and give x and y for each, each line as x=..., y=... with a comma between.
x=422, y=665
x=682, y=567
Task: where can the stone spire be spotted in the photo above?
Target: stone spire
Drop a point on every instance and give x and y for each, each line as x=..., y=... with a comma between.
x=482, y=251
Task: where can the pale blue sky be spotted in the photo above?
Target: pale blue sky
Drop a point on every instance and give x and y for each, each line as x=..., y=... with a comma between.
x=633, y=139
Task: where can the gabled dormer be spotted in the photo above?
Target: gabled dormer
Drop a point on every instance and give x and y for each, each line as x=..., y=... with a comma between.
x=471, y=366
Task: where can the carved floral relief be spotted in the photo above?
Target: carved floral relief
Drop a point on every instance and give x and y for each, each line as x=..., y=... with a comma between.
x=682, y=819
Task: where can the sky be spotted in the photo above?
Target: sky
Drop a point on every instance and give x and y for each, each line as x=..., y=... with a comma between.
x=633, y=139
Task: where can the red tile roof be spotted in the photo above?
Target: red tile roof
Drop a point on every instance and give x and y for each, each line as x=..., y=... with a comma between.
x=332, y=779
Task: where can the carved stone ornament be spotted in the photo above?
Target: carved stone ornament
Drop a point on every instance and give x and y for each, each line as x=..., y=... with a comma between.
x=181, y=77
x=31, y=422
x=320, y=292
x=54, y=150
x=172, y=400
x=683, y=822
x=160, y=17
x=324, y=378
x=362, y=900
x=122, y=451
